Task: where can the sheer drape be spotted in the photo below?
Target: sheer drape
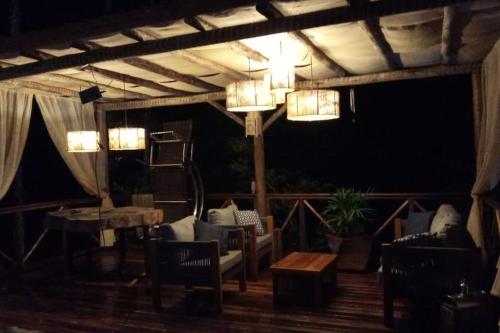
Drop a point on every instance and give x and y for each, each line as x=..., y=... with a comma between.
x=67, y=114
x=488, y=154
x=15, y=115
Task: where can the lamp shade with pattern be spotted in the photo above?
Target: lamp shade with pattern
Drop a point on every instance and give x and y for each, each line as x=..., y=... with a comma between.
x=249, y=96
x=82, y=141
x=312, y=105
x=127, y=138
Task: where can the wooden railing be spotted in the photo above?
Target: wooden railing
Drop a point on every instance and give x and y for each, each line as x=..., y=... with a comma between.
x=21, y=256
x=302, y=202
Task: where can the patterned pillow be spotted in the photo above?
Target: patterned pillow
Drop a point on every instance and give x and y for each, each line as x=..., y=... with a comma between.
x=249, y=217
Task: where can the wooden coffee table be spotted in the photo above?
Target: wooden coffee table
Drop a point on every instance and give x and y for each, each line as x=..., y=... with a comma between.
x=303, y=270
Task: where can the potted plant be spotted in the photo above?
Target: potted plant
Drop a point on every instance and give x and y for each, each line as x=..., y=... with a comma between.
x=347, y=213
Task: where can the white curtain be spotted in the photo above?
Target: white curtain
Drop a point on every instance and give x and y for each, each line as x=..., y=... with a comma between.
x=15, y=115
x=68, y=114
x=488, y=154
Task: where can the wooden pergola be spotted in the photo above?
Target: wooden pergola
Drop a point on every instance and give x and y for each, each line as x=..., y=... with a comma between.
x=185, y=52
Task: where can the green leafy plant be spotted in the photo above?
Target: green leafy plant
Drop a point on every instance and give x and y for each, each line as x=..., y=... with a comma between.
x=347, y=212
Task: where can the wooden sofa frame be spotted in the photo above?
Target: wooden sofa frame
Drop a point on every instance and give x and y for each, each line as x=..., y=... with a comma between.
x=194, y=264
x=467, y=264
x=253, y=254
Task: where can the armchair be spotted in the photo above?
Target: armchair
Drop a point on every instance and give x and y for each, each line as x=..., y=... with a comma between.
x=196, y=263
x=426, y=272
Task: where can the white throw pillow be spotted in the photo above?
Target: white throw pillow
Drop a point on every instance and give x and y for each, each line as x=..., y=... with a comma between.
x=445, y=217
x=183, y=229
x=222, y=216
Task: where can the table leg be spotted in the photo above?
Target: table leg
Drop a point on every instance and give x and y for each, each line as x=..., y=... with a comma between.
x=123, y=250
x=145, y=241
x=318, y=283
x=66, y=254
x=276, y=289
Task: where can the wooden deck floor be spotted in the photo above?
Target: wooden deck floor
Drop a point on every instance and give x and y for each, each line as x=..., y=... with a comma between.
x=46, y=304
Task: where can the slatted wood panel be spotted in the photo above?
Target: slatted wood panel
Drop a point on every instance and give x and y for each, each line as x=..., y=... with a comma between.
x=44, y=304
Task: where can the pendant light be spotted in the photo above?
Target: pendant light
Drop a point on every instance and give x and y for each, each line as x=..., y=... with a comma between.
x=126, y=138
x=249, y=95
x=282, y=75
x=82, y=141
x=313, y=104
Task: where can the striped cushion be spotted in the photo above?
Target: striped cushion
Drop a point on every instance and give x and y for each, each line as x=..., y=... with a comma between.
x=249, y=217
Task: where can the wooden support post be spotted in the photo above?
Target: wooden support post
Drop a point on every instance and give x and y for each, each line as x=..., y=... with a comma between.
x=477, y=106
x=302, y=226
x=260, y=168
x=19, y=222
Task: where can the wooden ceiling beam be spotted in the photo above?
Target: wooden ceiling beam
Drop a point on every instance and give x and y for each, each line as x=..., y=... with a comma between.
x=377, y=39
x=87, y=83
x=163, y=11
x=271, y=13
x=155, y=68
x=331, y=16
x=451, y=34
x=407, y=74
x=170, y=73
x=200, y=61
x=163, y=101
x=135, y=80
x=215, y=66
x=379, y=42
x=237, y=46
x=40, y=55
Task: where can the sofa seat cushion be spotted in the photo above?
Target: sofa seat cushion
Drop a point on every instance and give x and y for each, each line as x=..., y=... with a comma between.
x=263, y=241
x=231, y=259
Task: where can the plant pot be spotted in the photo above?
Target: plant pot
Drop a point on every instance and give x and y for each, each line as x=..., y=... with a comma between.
x=334, y=243
x=353, y=252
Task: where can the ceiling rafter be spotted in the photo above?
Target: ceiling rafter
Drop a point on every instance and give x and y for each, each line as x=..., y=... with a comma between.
x=155, y=68
x=452, y=31
x=379, y=42
x=203, y=62
x=170, y=73
x=40, y=55
x=237, y=46
x=164, y=11
x=271, y=13
x=332, y=16
x=377, y=38
x=135, y=80
x=33, y=85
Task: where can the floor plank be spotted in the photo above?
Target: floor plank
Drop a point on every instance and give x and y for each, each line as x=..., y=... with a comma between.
x=43, y=302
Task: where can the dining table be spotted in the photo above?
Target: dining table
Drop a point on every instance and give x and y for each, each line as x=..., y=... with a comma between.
x=96, y=220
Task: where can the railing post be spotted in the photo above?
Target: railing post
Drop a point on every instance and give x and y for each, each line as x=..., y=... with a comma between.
x=302, y=226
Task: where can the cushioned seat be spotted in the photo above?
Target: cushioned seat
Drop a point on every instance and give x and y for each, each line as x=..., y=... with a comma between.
x=263, y=241
x=229, y=260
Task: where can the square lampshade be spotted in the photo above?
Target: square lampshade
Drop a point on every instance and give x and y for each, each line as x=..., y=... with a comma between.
x=83, y=141
x=127, y=138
